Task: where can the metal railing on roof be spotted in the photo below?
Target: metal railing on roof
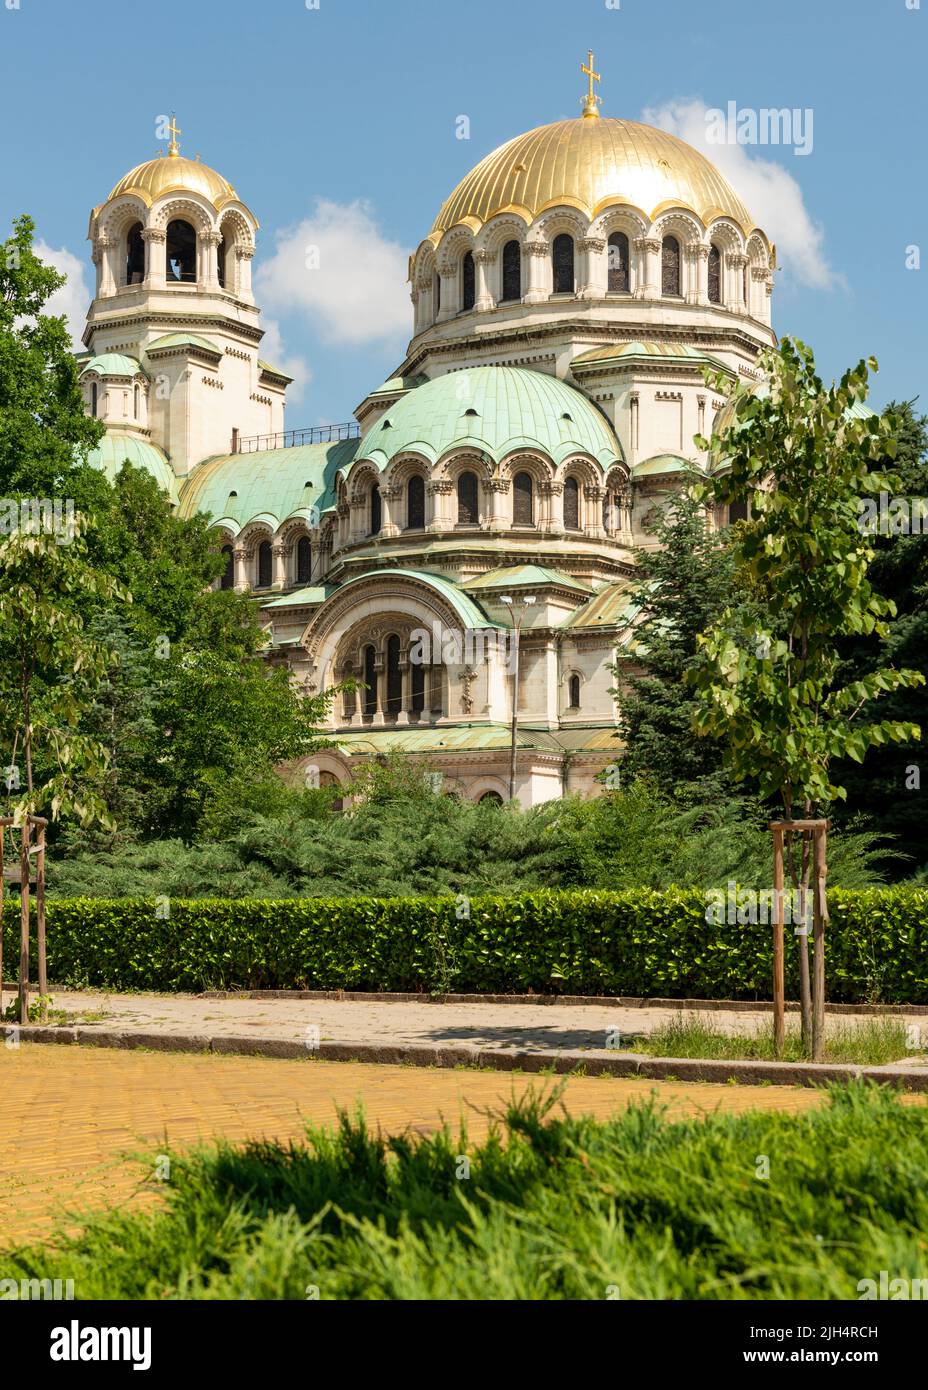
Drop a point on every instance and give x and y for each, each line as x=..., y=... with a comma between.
x=291, y=439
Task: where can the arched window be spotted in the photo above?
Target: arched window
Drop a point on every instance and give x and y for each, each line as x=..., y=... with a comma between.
x=418, y=689
x=573, y=688
x=135, y=402
x=93, y=398
x=328, y=780
x=670, y=266
x=619, y=282
x=370, y=680
x=135, y=255
x=468, y=514
x=715, y=275
x=512, y=271
x=744, y=287
x=376, y=511
x=607, y=513
x=491, y=799
x=415, y=503
x=181, y=253
x=437, y=292
x=523, y=503
x=265, y=564
x=221, y=263
x=304, y=560
x=228, y=575
x=738, y=511
x=468, y=282
x=394, y=676
x=572, y=505
x=562, y=263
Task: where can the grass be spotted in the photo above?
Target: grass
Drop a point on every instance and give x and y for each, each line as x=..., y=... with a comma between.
x=553, y=1207
x=872, y=1042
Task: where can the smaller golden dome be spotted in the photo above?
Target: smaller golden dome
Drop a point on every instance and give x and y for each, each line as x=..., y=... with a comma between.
x=173, y=173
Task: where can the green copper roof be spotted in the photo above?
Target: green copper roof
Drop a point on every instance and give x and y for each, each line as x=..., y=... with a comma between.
x=113, y=364
x=115, y=448
x=188, y=340
x=613, y=605
x=272, y=370
x=667, y=352
x=495, y=410
x=469, y=738
x=470, y=615
x=313, y=593
x=396, y=385
x=269, y=483
x=660, y=463
x=526, y=576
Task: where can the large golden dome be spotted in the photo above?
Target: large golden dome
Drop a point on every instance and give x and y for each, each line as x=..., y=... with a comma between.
x=589, y=164
x=174, y=173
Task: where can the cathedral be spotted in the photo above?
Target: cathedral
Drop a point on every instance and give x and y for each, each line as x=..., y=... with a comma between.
x=464, y=548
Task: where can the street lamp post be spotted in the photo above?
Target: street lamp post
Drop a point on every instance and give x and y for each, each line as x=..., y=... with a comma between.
x=526, y=601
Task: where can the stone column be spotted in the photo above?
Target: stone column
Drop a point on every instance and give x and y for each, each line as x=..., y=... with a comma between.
x=380, y=680
x=107, y=246
x=440, y=490
x=208, y=266
x=553, y=501
x=633, y=407
x=594, y=511
x=244, y=255
x=593, y=284
x=402, y=716
x=155, y=239
x=97, y=258
x=281, y=556
x=485, y=301
x=449, y=298
x=648, y=276
x=537, y=289
x=389, y=496
x=736, y=263
x=240, y=557
x=698, y=289
x=495, y=490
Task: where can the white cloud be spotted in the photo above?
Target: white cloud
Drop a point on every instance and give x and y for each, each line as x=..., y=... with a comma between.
x=338, y=269
x=73, y=299
x=771, y=194
x=274, y=351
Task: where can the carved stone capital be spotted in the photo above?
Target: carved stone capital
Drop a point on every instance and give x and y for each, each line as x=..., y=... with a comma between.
x=538, y=249
x=596, y=244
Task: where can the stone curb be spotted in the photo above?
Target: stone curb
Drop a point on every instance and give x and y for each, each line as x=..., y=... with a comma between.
x=748, y=1073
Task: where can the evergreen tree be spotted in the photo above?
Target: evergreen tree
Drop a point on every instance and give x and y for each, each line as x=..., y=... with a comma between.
x=685, y=584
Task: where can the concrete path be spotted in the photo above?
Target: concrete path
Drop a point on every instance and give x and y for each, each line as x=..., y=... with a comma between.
x=600, y=1029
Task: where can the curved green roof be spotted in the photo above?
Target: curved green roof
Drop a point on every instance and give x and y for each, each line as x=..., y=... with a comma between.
x=467, y=610
x=496, y=410
x=661, y=463
x=113, y=364
x=116, y=447
x=271, y=483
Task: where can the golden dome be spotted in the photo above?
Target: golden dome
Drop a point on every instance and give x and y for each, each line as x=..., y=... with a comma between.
x=173, y=173
x=590, y=164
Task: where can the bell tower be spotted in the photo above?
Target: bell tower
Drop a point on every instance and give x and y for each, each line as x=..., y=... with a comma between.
x=173, y=246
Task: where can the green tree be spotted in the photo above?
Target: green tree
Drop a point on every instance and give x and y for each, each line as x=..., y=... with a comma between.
x=802, y=455
x=890, y=792
x=44, y=432
x=50, y=669
x=685, y=585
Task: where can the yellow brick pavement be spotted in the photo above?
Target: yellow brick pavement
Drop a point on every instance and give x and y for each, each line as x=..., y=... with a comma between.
x=72, y=1116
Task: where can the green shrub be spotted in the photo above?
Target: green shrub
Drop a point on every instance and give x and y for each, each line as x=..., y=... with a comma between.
x=637, y=942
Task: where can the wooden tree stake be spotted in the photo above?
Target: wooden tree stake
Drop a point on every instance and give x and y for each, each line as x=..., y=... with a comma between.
x=779, y=988
x=820, y=917
x=40, y=918
x=24, y=926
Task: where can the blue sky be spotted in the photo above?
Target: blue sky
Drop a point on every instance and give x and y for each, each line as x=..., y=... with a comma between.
x=337, y=126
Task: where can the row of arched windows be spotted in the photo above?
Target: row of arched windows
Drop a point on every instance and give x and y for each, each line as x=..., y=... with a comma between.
x=180, y=255
x=564, y=274
x=264, y=564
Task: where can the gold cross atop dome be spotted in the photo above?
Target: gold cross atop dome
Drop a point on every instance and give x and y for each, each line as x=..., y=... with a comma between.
x=174, y=148
x=591, y=104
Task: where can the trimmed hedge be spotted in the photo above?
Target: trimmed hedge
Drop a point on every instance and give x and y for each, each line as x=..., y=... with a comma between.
x=637, y=942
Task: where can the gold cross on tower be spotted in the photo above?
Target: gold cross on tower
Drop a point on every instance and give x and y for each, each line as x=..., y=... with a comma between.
x=175, y=130
x=591, y=105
